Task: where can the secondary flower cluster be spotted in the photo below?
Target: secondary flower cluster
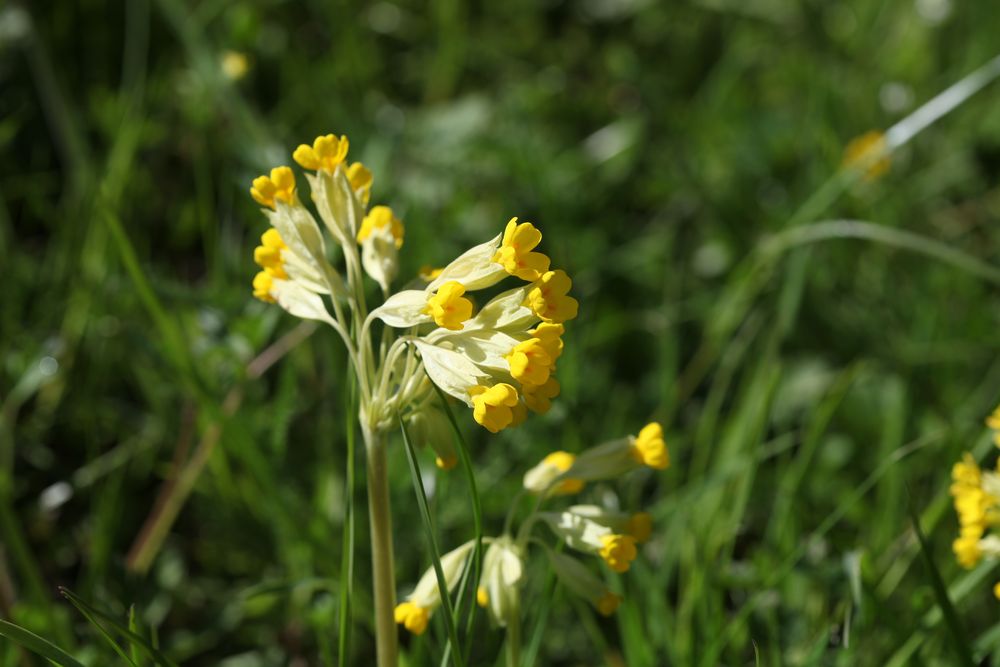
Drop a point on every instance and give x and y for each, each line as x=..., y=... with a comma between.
x=612, y=536
x=976, y=495
x=500, y=361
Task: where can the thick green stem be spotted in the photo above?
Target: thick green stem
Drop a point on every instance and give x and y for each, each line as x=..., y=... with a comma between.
x=514, y=636
x=383, y=573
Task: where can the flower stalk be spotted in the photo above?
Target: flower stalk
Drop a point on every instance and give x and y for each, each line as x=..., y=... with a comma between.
x=383, y=571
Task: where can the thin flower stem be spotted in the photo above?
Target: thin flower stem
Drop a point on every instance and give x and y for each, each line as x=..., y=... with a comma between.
x=380, y=522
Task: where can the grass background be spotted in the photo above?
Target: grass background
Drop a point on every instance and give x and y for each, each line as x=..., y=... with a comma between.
x=811, y=396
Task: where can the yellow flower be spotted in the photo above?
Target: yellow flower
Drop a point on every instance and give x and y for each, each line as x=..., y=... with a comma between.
x=268, y=254
x=996, y=590
x=361, y=181
x=378, y=218
x=280, y=185
x=530, y=364
x=414, y=612
x=515, y=253
x=482, y=597
x=540, y=479
x=966, y=548
x=448, y=307
x=548, y=297
x=539, y=398
x=413, y=617
x=551, y=337
x=618, y=551
x=649, y=447
x=869, y=153
x=262, y=284
x=492, y=405
x=608, y=603
x=326, y=153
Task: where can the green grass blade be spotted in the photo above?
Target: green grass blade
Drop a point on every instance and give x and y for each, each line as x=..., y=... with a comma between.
x=37, y=645
x=955, y=629
x=92, y=614
x=425, y=516
x=477, y=518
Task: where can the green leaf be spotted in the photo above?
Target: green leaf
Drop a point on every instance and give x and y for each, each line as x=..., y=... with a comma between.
x=956, y=631
x=37, y=645
x=92, y=614
x=425, y=516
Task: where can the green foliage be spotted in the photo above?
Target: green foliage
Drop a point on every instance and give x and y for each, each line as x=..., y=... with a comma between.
x=681, y=160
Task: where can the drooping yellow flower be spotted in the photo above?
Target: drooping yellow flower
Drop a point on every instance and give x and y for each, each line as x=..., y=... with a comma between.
x=530, y=363
x=413, y=617
x=618, y=551
x=361, y=181
x=548, y=297
x=381, y=217
x=996, y=590
x=492, y=406
x=262, y=284
x=268, y=254
x=649, y=447
x=448, y=307
x=415, y=611
x=280, y=186
x=538, y=398
x=515, y=253
x=326, y=153
x=551, y=337
x=869, y=153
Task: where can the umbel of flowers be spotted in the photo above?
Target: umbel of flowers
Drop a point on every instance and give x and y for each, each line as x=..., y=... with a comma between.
x=609, y=535
x=499, y=360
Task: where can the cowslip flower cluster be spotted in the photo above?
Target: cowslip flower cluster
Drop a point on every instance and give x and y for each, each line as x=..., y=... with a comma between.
x=612, y=536
x=976, y=496
x=500, y=360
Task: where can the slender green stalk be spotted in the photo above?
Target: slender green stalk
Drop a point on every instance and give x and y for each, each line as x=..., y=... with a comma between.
x=383, y=572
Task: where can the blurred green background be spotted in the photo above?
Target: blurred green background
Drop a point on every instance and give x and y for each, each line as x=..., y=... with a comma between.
x=813, y=394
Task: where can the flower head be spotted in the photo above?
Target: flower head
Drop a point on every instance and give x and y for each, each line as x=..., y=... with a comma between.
x=448, y=307
x=361, y=181
x=327, y=152
x=649, y=447
x=548, y=297
x=515, y=253
x=278, y=186
x=499, y=361
x=492, y=406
